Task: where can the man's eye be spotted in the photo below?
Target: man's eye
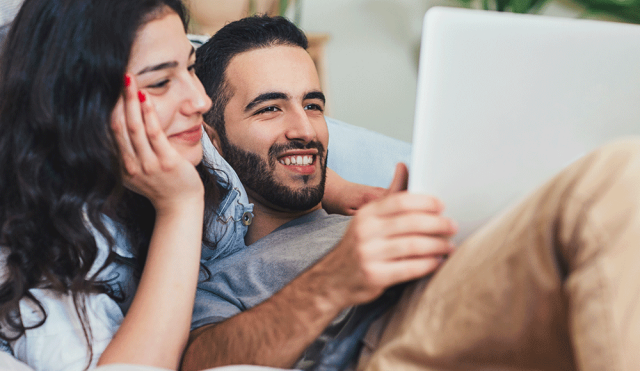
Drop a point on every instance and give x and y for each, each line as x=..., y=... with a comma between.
x=313, y=106
x=267, y=109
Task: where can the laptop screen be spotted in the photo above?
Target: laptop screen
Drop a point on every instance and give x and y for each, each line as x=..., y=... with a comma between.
x=505, y=101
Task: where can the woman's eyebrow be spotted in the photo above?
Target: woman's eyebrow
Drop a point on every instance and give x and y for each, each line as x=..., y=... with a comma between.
x=157, y=67
x=164, y=65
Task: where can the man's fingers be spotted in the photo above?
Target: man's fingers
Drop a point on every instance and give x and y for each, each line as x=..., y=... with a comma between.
x=404, y=202
x=400, y=179
x=416, y=247
x=408, y=269
x=416, y=223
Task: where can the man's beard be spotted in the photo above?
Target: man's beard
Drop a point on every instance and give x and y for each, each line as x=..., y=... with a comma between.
x=257, y=175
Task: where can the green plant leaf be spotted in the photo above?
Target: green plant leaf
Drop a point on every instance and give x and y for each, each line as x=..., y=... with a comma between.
x=284, y=4
x=623, y=10
x=520, y=6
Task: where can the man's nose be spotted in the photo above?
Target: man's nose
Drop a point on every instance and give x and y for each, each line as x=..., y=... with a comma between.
x=299, y=127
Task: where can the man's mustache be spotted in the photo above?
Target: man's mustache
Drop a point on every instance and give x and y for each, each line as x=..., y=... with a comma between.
x=277, y=149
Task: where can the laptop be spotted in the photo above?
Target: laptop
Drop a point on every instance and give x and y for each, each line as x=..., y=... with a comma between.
x=505, y=101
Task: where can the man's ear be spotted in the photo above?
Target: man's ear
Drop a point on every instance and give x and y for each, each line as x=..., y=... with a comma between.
x=213, y=135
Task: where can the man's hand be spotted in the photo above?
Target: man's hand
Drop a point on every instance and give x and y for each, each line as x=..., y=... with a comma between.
x=394, y=239
x=344, y=197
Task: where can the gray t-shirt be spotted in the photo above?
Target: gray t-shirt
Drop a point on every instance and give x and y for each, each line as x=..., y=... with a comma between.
x=249, y=276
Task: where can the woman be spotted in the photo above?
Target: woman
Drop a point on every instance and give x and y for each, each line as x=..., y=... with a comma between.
x=103, y=191
x=81, y=198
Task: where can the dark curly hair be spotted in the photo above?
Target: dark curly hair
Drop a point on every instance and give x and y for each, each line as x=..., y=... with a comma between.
x=61, y=74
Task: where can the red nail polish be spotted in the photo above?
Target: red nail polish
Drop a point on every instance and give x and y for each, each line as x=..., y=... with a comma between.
x=127, y=80
x=141, y=96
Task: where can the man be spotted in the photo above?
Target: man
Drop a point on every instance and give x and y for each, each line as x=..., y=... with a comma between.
x=549, y=285
x=269, y=125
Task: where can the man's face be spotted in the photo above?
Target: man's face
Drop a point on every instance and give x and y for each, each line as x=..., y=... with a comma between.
x=276, y=135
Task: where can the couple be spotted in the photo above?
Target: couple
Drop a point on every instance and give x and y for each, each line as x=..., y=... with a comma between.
x=549, y=285
x=107, y=202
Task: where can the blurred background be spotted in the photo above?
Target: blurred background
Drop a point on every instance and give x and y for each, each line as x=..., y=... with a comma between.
x=367, y=50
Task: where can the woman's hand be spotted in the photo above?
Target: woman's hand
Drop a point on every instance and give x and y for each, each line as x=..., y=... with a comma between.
x=156, y=328
x=152, y=167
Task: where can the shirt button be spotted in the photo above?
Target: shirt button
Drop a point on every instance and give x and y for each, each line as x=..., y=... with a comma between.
x=247, y=218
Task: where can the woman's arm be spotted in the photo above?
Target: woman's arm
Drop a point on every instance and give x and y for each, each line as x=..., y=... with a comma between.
x=156, y=327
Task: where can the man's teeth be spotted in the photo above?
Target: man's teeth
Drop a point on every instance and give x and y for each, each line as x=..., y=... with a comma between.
x=297, y=160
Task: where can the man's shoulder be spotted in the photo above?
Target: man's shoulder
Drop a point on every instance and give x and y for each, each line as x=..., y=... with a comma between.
x=312, y=225
x=315, y=219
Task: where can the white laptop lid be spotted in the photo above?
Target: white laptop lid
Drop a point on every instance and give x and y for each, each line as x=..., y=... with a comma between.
x=505, y=101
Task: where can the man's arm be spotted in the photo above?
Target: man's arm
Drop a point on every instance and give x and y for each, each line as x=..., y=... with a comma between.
x=274, y=333
x=344, y=197
x=395, y=239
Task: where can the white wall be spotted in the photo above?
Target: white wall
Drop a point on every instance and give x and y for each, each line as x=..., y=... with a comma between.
x=371, y=59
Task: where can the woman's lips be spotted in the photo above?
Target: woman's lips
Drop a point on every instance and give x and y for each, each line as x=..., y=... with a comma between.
x=191, y=136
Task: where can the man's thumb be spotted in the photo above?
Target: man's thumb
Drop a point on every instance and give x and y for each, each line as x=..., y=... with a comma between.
x=400, y=179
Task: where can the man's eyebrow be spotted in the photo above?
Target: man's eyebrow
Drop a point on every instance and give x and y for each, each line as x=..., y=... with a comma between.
x=161, y=66
x=315, y=95
x=265, y=97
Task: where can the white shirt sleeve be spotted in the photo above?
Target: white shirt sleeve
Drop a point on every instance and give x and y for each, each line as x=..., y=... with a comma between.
x=8, y=363
x=59, y=344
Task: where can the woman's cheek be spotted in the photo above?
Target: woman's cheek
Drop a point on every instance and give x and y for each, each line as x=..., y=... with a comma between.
x=161, y=112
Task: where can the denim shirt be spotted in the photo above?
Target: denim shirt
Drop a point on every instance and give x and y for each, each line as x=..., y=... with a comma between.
x=234, y=214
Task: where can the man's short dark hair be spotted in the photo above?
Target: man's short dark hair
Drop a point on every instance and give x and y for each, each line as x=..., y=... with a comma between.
x=212, y=58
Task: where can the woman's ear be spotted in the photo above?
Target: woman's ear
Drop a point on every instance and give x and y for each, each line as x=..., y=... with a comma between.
x=213, y=135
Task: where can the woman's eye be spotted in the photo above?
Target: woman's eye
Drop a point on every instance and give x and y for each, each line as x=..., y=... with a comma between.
x=192, y=67
x=160, y=84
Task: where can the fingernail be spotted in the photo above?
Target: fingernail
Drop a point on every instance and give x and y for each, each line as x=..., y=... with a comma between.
x=141, y=96
x=127, y=80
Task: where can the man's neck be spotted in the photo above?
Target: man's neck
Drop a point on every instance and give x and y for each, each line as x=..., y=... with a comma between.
x=266, y=219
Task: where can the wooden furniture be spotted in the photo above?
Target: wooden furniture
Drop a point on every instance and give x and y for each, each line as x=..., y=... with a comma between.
x=208, y=16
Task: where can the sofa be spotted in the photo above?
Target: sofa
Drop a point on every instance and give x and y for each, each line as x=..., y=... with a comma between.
x=364, y=156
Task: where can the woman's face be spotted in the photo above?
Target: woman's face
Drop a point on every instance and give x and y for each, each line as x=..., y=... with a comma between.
x=162, y=63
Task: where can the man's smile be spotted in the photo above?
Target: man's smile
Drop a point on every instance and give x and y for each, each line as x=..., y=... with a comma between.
x=301, y=160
